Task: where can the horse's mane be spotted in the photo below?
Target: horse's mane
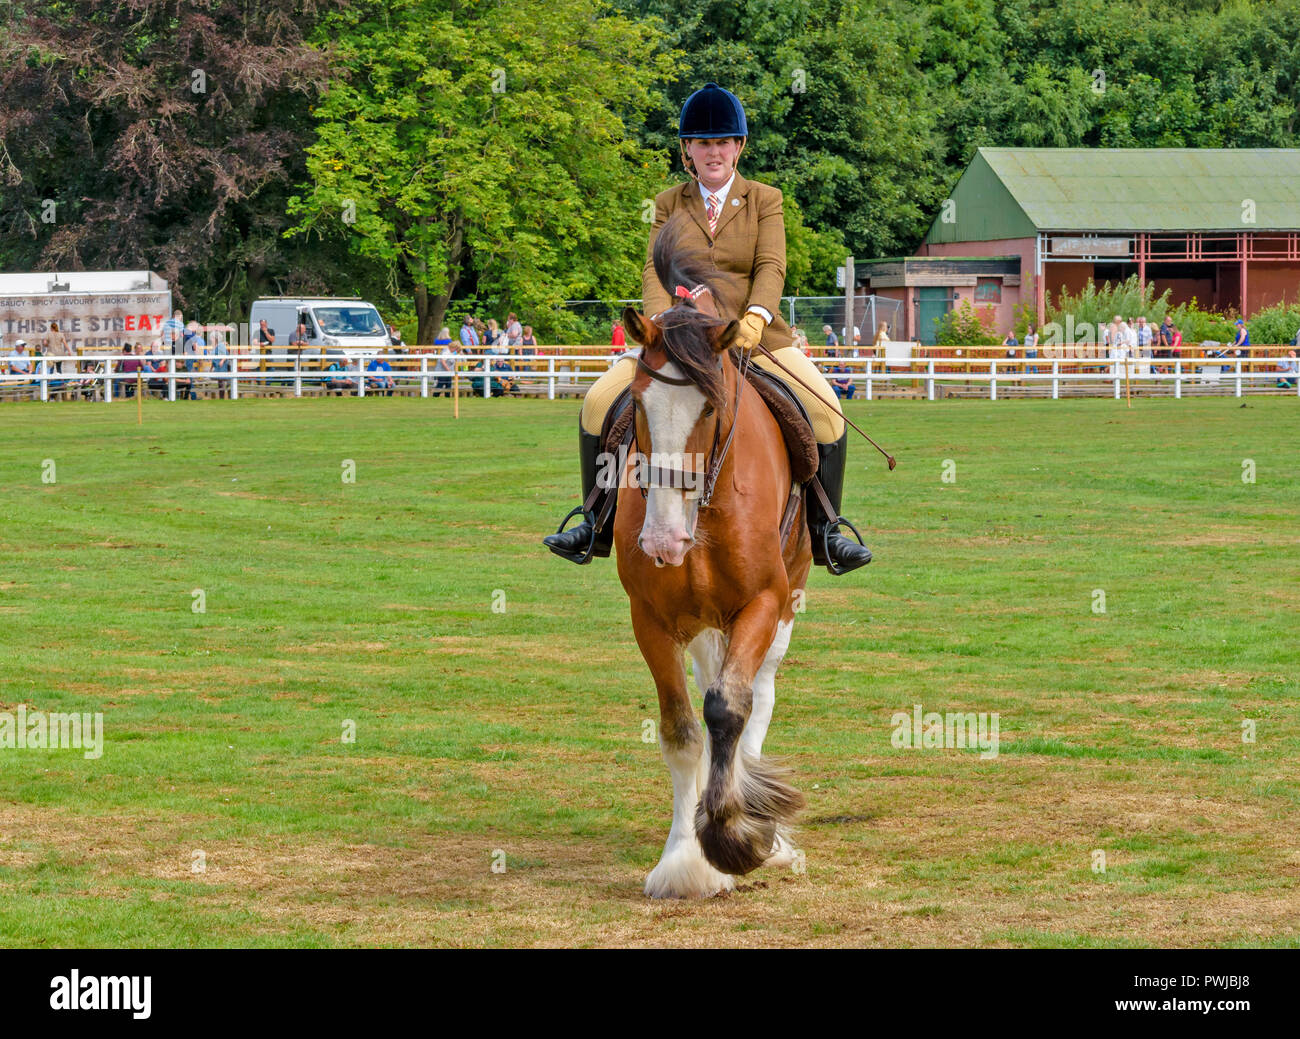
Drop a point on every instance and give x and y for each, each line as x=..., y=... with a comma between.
x=686, y=328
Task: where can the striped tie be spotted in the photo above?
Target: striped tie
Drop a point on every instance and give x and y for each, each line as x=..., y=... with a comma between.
x=713, y=205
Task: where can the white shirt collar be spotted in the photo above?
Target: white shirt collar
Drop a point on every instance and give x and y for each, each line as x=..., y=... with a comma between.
x=722, y=192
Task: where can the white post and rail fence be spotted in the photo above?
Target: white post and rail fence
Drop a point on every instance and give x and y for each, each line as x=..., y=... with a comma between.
x=901, y=370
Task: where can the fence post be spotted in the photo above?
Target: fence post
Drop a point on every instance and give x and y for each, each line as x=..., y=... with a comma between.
x=43, y=373
x=297, y=373
x=929, y=379
x=870, y=380
x=993, y=380
x=361, y=377
x=487, y=377
x=1178, y=380
x=171, y=378
x=1056, y=379
x=424, y=375
x=108, y=381
x=1117, y=375
x=1238, y=393
x=550, y=376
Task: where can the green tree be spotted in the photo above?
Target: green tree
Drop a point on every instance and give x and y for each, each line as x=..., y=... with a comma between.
x=838, y=117
x=480, y=149
x=165, y=134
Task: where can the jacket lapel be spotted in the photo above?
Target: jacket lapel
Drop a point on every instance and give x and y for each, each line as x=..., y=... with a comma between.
x=738, y=193
x=695, y=205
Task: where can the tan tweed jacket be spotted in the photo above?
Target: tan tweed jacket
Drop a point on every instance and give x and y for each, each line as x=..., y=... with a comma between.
x=748, y=251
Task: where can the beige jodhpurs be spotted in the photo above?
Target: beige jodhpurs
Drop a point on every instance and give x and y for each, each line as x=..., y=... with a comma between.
x=823, y=408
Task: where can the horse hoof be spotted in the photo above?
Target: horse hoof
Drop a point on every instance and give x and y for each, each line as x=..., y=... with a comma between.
x=783, y=852
x=684, y=872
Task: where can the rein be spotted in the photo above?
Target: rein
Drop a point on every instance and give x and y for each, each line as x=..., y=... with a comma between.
x=772, y=357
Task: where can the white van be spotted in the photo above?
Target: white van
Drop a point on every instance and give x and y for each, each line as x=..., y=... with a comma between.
x=351, y=326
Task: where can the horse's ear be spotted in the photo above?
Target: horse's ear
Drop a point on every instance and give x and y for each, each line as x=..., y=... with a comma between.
x=728, y=336
x=636, y=326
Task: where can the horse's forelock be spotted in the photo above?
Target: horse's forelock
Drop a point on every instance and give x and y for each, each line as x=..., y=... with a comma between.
x=688, y=338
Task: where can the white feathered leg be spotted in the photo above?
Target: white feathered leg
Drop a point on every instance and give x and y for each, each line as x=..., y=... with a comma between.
x=683, y=871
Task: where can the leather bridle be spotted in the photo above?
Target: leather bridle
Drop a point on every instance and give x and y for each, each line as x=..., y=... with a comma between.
x=663, y=477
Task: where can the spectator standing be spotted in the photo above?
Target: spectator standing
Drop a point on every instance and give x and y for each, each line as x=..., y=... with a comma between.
x=514, y=331
x=220, y=356
x=1142, y=333
x=1165, y=339
x=1031, y=347
x=878, y=343
x=528, y=341
x=193, y=346
x=468, y=337
x=1121, y=342
x=800, y=340
x=299, y=338
x=447, y=361
x=173, y=332
x=832, y=340
x=493, y=338
x=58, y=348
x=618, y=338
x=1011, y=342
x=265, y=335
x=395, y=338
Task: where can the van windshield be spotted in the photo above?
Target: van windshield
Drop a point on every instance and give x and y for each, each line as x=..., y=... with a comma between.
x=358, y=320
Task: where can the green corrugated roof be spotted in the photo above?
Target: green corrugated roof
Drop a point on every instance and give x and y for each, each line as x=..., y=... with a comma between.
x=1123, y=189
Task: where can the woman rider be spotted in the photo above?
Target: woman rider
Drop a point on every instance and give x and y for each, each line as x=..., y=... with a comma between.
x=739, y=225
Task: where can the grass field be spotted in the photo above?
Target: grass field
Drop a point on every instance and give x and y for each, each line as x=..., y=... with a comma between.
x=498, y=698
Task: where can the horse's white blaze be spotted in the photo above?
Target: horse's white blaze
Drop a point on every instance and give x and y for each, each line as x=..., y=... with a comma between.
x=671, y=413
x=683, y=871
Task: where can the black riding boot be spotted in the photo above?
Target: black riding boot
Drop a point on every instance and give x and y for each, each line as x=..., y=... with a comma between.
x=832, y=549
x=584, y=541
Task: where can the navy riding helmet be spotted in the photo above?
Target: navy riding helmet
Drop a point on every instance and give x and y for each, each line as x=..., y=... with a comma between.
x=712, y=112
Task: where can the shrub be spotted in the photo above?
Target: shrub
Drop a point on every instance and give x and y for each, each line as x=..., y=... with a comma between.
x=966, y=326
x=1275, y=325
x=1201, y=326
x=1096, y=306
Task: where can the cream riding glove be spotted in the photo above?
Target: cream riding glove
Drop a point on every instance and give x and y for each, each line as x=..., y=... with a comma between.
x=750, y=331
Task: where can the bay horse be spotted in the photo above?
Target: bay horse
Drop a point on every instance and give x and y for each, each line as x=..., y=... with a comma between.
x=701, y=556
